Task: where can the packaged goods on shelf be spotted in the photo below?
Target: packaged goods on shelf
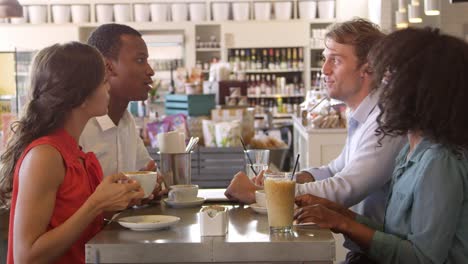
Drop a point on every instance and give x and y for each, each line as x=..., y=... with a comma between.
x=221, y=134
x=267, y=142
x=326, y=115
x=245, y=115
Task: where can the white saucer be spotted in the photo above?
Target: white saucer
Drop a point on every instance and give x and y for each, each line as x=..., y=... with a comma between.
x=259, y=209
x=148, y=222
x=197, y=202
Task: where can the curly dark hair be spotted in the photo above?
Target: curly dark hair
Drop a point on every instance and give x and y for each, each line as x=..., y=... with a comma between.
x=106, y=38
x=423, y=76
x=62, y=77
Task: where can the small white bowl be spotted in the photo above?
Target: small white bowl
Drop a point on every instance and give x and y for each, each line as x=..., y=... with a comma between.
x=197, y=12
x=104, y=13
x=158, y=12
x=61, y=14
x=283, y=10
x=179, y=12
x=220, y=11
x=326, y=9
x=240, y=11
x=141, y=12
x=80, y=13
x=37, y=14
x=262, y=10
x=307, y=9
x=122, y=13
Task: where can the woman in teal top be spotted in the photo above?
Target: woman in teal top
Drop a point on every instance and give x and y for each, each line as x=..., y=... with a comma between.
x=424, y=75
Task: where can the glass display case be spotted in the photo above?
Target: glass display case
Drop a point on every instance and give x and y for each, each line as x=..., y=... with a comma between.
x=14, y=82
x=23, y=61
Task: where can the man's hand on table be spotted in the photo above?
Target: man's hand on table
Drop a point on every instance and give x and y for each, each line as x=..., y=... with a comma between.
x=242, y=189
x=304, y=177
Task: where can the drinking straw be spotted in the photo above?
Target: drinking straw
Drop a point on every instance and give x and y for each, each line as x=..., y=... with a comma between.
x=245, y=150
x=295, y=165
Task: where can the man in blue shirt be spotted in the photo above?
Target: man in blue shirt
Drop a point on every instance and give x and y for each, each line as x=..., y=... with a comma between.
x=360, y=175
x=427, y=210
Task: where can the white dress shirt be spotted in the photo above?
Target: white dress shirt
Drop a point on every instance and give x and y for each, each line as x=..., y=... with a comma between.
x=360, y=175
x=118, y=148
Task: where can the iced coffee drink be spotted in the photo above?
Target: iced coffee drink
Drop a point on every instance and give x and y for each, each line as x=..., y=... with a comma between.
x=280, y=190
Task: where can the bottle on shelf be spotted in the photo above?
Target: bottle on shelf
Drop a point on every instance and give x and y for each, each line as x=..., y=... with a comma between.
x=288, y=59
x=253, y=59
x=247, y=59
x=271, y=60
x=259, y=61
x=265, y=59
x=300, y=59
x=294, y=59
x=242, y=60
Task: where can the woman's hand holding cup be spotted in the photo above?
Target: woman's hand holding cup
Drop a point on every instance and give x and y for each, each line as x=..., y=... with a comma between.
x=116, y=192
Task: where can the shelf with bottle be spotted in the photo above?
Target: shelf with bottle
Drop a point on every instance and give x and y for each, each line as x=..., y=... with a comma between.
x=253, y=60
x=163, y=65
x=271, y=85
x=279, y=107
x=271, y=71
x=208, y=48
x=277, y=115
x=275, y=95
x=204, y=63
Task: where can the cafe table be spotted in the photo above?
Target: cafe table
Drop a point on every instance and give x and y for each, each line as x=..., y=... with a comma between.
x=247, y=240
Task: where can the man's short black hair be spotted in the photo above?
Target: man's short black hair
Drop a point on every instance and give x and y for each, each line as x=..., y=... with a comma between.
x=106, y=38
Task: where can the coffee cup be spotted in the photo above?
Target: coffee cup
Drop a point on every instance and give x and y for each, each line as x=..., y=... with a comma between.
x=146, y=179
x=260, y=198
x=183, y=192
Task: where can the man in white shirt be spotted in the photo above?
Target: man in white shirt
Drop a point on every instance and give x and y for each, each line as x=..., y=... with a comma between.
x=360, y=175
x=114, y=137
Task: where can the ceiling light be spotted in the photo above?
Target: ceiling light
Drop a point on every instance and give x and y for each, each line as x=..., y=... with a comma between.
x=431, y=7
x=402, y=6
x=10, y=8
x=401, y=19
x=414, y=13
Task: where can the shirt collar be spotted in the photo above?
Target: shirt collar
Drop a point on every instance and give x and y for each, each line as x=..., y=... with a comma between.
x=106, y=123
x=419, y=150
x=365, y=107
x=415, y=156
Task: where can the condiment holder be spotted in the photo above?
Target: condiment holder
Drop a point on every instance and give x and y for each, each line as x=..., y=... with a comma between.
x=213, y=221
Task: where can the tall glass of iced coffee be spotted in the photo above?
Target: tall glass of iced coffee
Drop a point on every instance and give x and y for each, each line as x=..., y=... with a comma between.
x=279, y=190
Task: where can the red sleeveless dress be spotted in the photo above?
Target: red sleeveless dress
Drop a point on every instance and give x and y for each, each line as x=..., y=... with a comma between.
x=78, y=184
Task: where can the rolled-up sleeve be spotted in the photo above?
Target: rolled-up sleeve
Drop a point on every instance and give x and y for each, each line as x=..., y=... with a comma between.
x=368, y=170
x=369, y=223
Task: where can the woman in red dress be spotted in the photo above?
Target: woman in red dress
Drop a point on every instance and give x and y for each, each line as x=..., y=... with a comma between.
x=56, y=192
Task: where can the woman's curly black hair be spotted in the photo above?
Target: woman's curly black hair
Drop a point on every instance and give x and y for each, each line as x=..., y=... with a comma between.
x=423, y=78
